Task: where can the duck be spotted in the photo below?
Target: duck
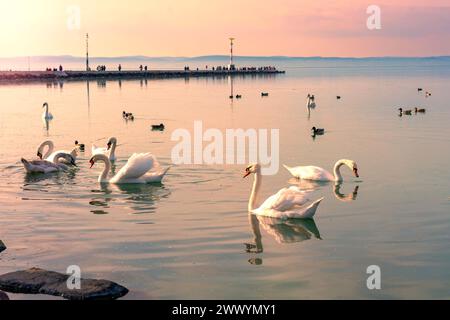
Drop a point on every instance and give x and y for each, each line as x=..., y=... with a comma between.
x=159, y=127
x=287, y=203
x=231, y=96
x=407, y=112
x=264, y=94
x=238, y=96
x=419, y=89
x=80, y=146
x=338, y=97
x=427, y=94
x=44, y=166
x=127, y=115
x=317, y=131
x=140, y=168
x=416, y=110
x=110, y=149
x=320, y=174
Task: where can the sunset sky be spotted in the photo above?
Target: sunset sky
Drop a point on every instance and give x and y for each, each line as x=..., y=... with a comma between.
x=199, y=27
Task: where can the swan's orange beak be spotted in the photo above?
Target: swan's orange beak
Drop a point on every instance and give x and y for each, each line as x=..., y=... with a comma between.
x=92, y=163
x=355, y=171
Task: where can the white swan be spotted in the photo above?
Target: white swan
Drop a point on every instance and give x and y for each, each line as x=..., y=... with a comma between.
x=319, y=174
x=136, y=170
x=46, y=115
x=110, y=149
x=44, y=166
x=310, y=102
x=49, y=155
x=286, y=203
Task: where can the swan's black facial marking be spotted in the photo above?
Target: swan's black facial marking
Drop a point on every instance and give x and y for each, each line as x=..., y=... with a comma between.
x=108, y=145
x=355, y=171
x=247, y=171
x=92, y=162
x=39, y=155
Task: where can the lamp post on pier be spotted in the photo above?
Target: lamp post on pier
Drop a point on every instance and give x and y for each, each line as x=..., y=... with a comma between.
x=231, y=66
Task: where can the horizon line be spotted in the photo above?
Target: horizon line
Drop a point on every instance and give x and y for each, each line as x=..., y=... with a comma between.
x=226, y=57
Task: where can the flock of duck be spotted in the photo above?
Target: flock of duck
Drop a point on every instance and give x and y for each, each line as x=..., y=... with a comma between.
x=409, y=112
x=291, y=202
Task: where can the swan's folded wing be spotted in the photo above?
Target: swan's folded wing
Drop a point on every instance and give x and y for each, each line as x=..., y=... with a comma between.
x=311, y=172
x=285, y=199
x=138, y=164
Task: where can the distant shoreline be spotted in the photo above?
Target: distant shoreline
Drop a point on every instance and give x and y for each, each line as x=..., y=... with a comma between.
x=13, y=76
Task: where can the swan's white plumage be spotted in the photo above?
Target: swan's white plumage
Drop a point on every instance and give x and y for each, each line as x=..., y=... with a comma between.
x=137, y=165
x=286, y=203
x=310, y=173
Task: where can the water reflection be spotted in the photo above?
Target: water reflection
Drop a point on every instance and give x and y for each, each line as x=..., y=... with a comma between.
x=283, y=231
x=310, y=185
x=139, y=198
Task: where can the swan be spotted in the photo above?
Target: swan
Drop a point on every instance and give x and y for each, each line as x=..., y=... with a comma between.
x=136, y=170
x=319, y=174
x=44, y=166
x=46, y=115
x=49, y=155
x=310, y=102
x=110, y=148
x=286, y=203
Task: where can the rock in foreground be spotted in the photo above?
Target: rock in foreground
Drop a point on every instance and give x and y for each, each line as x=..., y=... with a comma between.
x=39, y=281
x=2, y=246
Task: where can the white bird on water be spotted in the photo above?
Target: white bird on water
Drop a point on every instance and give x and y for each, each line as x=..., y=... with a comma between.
x=140, y=168
x=46, y=115
x=109, y=150
x=320, y=174
x=287, y=203
x=44, y=166
x=49, y=155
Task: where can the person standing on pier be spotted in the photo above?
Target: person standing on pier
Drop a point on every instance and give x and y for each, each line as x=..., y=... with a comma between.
x=140, y=67
x=119, y=67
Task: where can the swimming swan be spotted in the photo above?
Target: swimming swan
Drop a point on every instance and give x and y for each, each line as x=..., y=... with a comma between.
x=49, y=155
x=286, y=203
x=44, y=166
x=319, y=174
x=136, y=170
x=46, y=115
x=110, y=149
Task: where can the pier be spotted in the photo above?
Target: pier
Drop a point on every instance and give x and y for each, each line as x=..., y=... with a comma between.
x=129, y=74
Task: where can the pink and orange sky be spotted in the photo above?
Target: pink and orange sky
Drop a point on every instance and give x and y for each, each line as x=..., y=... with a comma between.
x=200, y=27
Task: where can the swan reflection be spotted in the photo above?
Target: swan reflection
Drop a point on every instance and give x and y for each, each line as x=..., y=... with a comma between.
x=139, y=198
x=311, y=185
x=284, y=231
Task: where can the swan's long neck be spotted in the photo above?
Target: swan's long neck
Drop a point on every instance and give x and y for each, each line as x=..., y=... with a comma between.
x=112, y=154
x=46, y=110
x=255, y=190
x=337, y=170
x=49, y=151
x=103, y=176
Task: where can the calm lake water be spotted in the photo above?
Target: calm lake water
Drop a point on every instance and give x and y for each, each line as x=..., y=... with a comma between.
x=185, y=238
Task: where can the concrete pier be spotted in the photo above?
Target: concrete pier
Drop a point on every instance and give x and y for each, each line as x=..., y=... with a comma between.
x=124, y=74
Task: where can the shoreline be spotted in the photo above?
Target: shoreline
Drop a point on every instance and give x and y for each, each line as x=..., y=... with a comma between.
x=13, y=76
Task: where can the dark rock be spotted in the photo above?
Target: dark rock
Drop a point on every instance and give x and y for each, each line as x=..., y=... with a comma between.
x=39, y=281
x=2, y=246
x=3, y=296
